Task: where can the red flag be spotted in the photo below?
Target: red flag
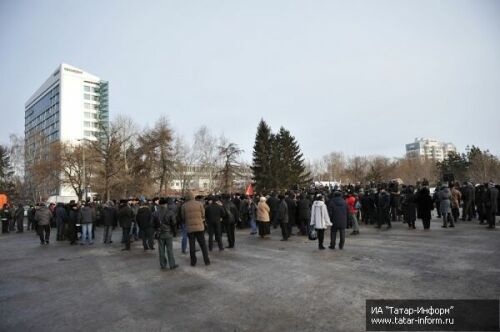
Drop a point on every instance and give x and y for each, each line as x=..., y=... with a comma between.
x=249, y=191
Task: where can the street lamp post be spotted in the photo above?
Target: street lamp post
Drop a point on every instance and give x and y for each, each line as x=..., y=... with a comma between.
x=84, y=172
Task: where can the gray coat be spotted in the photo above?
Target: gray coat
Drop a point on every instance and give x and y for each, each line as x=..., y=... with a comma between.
x=43, y=216
x=445, y=200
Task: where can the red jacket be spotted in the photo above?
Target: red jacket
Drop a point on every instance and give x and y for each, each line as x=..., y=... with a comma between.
x=351, y=204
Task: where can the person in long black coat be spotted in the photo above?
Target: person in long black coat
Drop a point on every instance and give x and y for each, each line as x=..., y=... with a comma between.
x=338, y=212
x=74, y=218
x=125, y=216
x=144, y=219
x=425, y=205
x=491, y=206
x=410, y=207
x=274, y=205
x=20, y=218
x=214, y=213
x=292, y=211
x=303, y=214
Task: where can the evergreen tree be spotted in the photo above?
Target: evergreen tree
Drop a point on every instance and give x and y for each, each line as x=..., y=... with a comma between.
x=456, y=164
x=288, y=162
x=6, y=171
x=262, y=152
x=278, y=163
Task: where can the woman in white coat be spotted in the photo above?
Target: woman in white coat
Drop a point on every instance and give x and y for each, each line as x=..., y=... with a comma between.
x=320, y=219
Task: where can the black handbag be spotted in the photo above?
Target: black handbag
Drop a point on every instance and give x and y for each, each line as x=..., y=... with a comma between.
x=313, y=235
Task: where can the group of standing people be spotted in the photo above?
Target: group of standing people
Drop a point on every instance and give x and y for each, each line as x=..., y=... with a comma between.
x=310, y=211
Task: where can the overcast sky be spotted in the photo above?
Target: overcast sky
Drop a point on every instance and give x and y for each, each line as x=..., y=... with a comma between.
x=361, y=77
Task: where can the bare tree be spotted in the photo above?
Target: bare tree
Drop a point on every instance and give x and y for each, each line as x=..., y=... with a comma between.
x=229, y=153
x=184, y=159
x=76, y=165
x=356, y=169
x=206, y=154
x=156, y=148
x=483, y=166
x=335, y=165
x=42, y=176
x=111, y=161
x=378, y=169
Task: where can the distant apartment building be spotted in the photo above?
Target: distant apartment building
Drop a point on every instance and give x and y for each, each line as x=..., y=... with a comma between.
x=429, y=149
x=70, y=106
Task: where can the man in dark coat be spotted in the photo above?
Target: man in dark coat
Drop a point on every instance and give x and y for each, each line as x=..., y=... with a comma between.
x=410, y=207
x=491, y=204
x=230, y=219
x=74, y=218
x=338, y=212
x=395, y=198
x=110, y=221
x=5, y=214
x=20, y=218
x=468, y=197
x=164, y=220
x=61, y=220
x=237, y=202
x=481, y=195
x=303, y=214
x=274, y=204
x=125, y=217
x=144, y=219
x=282, y=217
x=384, y=208
x=425, y=205
x=214, y=213
x=292, y=210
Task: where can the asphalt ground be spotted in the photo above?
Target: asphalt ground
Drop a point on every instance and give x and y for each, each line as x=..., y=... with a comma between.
x=261, y=285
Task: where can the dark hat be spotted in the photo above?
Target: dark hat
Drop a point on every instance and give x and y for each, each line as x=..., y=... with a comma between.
x=163, y=201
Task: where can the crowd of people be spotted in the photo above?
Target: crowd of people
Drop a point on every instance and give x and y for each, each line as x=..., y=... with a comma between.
x=311, y=211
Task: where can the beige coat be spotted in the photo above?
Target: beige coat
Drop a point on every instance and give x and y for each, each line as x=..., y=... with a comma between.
x=193, y=214
x=456, y=196
x=263, y=212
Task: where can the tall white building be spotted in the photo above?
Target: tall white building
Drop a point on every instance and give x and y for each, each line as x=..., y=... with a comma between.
x=429, y=148
x=72, y=105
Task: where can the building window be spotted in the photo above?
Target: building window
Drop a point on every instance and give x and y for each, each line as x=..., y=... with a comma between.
x=95, y=98
x=87, y=105
x=86, y=96
x=86, y=88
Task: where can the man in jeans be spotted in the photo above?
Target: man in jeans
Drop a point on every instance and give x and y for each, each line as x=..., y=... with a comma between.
x=88, y=217
x=42, y=217
x=165, y=221
x=351, y=204
x=110, y=221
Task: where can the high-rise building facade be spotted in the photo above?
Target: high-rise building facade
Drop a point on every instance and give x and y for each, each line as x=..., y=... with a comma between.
x=72, y=105
x=429, y=148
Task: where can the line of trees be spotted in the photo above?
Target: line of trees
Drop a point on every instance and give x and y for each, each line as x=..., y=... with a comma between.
x=126, y=161
x=476, y=166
